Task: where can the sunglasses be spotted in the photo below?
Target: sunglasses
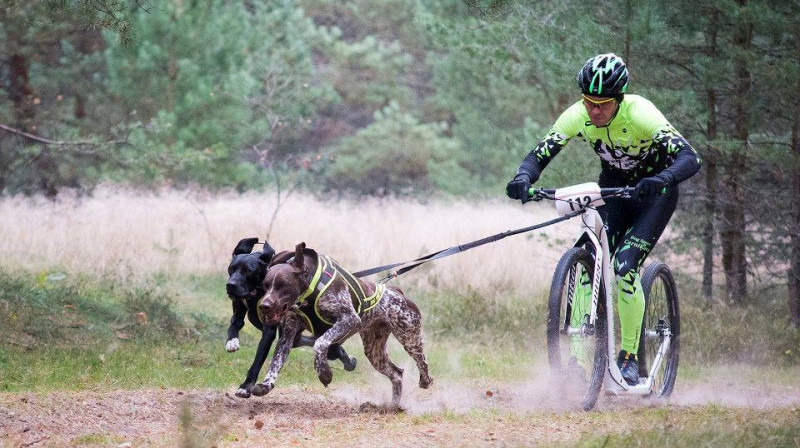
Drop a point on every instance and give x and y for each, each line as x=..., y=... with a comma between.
x=592, y=102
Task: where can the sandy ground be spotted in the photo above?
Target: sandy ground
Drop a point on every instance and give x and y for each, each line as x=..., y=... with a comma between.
x=448, y=415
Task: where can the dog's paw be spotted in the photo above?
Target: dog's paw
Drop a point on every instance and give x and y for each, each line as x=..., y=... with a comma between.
x=425, y=382
x=232, y=345
x=261, y=389
x=242, y=393
x=350, y=364
x=324, y=374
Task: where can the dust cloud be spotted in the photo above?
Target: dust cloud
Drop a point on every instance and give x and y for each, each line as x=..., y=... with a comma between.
x=721, y=385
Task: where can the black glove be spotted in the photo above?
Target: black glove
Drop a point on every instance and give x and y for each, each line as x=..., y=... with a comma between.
x=652, y=186
x=518, y=188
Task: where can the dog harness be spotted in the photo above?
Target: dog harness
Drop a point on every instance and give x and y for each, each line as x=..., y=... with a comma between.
x=327, y=271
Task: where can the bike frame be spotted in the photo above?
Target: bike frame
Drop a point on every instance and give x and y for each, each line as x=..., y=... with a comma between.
x=594, y=229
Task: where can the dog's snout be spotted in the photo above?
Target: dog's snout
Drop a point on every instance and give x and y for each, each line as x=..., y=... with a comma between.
x=271, y=311
x=232, y=289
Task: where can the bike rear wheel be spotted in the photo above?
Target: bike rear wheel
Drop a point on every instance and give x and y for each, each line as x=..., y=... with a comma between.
x=576, y=350
x=662, y=315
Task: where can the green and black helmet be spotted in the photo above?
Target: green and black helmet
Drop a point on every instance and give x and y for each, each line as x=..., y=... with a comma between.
x=604, y=75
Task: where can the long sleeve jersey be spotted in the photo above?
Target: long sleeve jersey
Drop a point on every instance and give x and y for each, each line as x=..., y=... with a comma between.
x=638, y=142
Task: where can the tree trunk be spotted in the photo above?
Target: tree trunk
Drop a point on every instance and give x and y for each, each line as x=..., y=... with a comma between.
x=19, y=97
x=628, y=20
x=794, y=266
x=88, y=42
x=708, y=228
x=794, y=269
x=733, y=235
x=19, y=91
x=711, y=175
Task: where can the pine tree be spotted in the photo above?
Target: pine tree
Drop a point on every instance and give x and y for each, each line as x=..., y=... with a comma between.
x=45, y=41
x=215, y=85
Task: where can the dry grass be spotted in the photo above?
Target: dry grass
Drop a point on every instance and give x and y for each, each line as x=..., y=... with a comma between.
x=124, y=232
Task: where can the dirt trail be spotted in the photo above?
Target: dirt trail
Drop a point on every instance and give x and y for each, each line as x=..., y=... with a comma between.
x=487, y=414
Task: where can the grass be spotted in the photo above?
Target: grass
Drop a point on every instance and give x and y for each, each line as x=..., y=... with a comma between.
x=758, y=333
x=205, y=364
x=94, y=439
x=81, y=310
x=711, y=427
x=84, y=332
x=176, y=233
x=477, y=345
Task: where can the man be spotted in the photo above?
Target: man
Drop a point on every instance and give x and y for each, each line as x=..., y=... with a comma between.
x=637, y=147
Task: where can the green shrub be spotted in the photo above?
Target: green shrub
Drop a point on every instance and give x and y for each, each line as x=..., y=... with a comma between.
x=720, y=332
x=396, y=154
x=55, y=309
x=471, y=317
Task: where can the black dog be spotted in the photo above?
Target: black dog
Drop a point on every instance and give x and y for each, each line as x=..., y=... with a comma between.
x=246, y=274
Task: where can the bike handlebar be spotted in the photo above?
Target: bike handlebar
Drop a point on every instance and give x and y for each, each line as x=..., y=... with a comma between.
x=537, y=194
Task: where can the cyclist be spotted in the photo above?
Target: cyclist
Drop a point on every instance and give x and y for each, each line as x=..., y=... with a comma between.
x=637, y=147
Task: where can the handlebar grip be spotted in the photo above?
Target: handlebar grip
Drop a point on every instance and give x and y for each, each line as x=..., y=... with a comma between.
x=541, y=193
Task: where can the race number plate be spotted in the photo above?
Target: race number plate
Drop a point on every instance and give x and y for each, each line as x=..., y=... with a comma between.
x=577, y=197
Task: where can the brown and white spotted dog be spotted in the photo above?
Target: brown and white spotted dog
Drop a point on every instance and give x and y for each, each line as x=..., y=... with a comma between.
x=307, y=290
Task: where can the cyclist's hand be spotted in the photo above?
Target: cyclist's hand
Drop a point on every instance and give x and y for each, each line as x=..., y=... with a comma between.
x=518, y=188
x=649, y=186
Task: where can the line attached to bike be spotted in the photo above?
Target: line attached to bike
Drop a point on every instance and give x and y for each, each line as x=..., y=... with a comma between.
x=404, y=267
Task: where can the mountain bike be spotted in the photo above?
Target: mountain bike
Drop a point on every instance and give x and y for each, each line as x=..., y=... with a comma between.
x=581, y=313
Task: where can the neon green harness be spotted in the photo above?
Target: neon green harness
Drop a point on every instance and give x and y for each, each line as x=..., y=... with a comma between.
x=327, y=271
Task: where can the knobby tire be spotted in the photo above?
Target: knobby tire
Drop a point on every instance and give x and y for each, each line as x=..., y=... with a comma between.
x=661, y=302
x=558, y=344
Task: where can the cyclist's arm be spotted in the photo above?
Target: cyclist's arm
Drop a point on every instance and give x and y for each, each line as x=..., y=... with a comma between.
x=566, y=127
x=686, y=162
x=669, y=142
x=540, y=156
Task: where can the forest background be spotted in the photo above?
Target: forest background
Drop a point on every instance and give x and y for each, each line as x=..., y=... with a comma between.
x=403, y=98
x=140, y=139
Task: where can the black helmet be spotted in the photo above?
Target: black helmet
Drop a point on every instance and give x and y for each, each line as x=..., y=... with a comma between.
x=604, y=75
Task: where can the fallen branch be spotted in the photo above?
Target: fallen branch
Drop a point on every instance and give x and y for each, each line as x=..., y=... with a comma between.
x=47, y=141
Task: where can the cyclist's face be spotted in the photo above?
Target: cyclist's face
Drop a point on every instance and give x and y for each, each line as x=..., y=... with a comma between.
x=600, y=109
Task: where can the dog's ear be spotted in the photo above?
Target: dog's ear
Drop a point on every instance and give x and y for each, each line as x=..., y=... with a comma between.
x=245, y=246
x=281, y=257
x=267, y=254
x=298, y=256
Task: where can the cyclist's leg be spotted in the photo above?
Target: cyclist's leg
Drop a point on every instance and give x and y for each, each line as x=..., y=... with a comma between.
x=634, y=246
x=619, y=216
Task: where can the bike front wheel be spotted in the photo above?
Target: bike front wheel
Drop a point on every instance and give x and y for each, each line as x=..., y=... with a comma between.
x=661, y=318
x=576, y=349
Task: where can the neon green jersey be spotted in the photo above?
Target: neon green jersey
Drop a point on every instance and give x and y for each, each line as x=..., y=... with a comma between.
x=638, y=142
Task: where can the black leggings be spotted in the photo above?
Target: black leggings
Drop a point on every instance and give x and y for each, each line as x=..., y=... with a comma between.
x=634, y=227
